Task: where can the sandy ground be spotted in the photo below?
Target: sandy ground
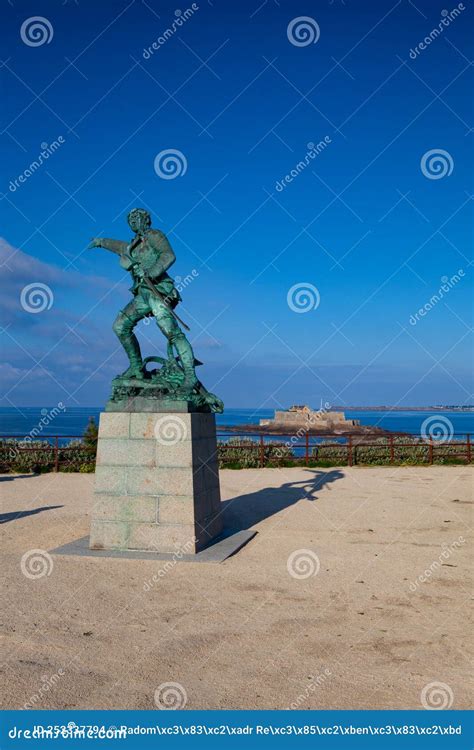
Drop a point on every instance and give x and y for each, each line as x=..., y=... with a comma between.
x=363, y=632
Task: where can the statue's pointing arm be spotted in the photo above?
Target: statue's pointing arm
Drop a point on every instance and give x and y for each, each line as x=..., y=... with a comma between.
x=115, y=246
x=164, y=256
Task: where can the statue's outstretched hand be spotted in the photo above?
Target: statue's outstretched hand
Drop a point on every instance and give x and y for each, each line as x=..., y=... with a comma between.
x=95, y=242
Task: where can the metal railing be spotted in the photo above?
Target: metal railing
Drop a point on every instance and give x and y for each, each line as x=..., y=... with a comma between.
x=271, y=449
x=22, y=444
x=312, y=447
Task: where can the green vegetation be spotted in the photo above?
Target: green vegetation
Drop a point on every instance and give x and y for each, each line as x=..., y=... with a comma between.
x=91, y=435
x=40, y=456
x=244, y=453
x=24, y=456
x=403, y=451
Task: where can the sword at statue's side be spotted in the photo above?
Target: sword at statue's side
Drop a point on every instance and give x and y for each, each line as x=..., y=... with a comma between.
x=154, y=290
x=162, y=299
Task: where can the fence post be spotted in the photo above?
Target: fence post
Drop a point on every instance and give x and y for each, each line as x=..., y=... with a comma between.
x=468, y=448
x=392, y=452
x=349, y=450
x=430, y=452
x=306, y=454
x=56, y=454
x=262, y=452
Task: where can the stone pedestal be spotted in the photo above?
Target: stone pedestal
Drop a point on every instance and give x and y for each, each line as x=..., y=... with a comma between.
x=156, y=482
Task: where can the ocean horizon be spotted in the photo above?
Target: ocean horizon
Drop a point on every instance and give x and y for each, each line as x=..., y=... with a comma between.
x=72, y=421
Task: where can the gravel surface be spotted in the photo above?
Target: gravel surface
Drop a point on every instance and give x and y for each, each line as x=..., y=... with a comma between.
x=354, y=594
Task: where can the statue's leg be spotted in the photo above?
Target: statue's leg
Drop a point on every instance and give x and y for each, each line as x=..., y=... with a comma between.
x=170, y=328
x=123, y=327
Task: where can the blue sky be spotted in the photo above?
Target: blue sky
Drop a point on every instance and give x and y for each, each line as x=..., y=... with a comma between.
x=361, y=222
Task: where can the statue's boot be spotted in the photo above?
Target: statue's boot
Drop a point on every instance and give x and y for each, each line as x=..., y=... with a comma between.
x=135, y=370
x=123, y=328
x=186, y=357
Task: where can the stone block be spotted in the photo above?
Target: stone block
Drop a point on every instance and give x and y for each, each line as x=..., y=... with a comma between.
x=111, y=452
x=157, y=482
x=177, y=509
x=143, y=480
x=177, y=455
x=167, y=428
x=203, y=425
x=199, y=477
x=206, y=477
x=175, y=481
x=207, y=502
x=114, y=425
x=207, y=529
x=144, y=404
x=108, y=535
x=125, y=508
x=162, y=537
x=142, y=426
x=111, y=479
x=205, y=450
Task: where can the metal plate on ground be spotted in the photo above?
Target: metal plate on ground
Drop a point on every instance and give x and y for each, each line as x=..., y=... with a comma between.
x=227, y=544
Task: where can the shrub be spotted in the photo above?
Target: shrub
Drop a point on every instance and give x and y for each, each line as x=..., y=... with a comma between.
x=26, y=455
x=91, y=436
x=39, y=456
x=245, y=453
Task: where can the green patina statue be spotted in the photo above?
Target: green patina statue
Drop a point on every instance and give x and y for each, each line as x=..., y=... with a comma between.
x=148, y=257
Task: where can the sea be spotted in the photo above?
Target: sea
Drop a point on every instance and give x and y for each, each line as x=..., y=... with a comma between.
x=71, y=422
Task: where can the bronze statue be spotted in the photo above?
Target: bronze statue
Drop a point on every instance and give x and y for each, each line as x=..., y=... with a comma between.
x=148, y=257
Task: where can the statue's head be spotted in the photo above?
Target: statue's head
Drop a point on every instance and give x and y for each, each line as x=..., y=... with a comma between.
x=139, y=220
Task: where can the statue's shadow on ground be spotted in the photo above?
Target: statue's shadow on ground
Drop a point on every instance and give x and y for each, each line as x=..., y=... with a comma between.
x=15, y=515
x=244, y=511
x=11, y=477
